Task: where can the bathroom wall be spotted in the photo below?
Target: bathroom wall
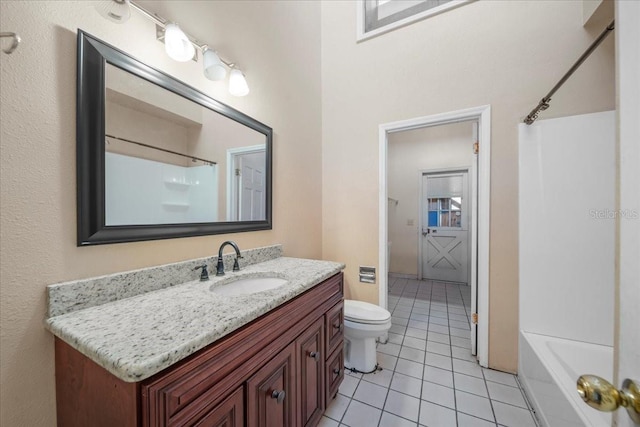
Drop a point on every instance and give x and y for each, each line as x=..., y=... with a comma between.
x=410, y=153
x=504, y=53
x=128, y=123
x=37, y=169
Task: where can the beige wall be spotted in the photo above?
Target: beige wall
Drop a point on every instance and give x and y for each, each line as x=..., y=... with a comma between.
x=37, y=169
x=228, y=134
x=504, y=53
x=409, y=154
x=135, y=125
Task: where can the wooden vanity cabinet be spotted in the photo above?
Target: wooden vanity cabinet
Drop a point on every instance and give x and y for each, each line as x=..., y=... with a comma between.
x=271, y=398
x=229, y=413
x=279, y=370
x=310, y=356
x=334, y=320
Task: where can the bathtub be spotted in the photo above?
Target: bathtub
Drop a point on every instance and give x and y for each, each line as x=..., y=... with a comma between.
x=548, y=370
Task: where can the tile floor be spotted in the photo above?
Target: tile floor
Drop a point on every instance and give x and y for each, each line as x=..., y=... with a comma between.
x=429, y=377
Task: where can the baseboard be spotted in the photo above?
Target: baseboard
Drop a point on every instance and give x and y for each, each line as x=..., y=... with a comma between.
x=403, y=276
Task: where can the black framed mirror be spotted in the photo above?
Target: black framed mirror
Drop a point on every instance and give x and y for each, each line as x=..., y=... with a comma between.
x=158, y=159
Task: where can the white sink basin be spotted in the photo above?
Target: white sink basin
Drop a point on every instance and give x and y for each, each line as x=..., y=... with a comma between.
x=248, y=285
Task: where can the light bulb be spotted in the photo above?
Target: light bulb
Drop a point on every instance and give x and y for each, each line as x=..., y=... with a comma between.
x=213, y=66
x=237, y=83
x=177, y=44
x=117, y=11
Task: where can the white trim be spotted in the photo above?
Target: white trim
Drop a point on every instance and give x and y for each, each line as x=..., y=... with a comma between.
x=231, y=154
x=483, y=115
x=403, y=276
x=361, y=35
x=473, y=271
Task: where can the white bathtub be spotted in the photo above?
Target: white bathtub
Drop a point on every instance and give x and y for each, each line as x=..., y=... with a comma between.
x=548, y=370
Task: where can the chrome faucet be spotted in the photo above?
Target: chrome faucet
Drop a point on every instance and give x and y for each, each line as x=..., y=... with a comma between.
x=220, y=266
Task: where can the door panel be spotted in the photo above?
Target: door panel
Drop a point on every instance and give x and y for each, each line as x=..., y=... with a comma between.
x=445, y=242
x=247, y=185
x=627, y=349
x=252, y=187
x=310, y=360
x=271, y=392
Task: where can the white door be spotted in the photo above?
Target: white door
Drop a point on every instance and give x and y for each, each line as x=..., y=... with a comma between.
x=251, y=188
x=445, y=232
x=627, y=350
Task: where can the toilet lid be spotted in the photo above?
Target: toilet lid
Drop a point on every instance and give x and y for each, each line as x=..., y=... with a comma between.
x=363, y=312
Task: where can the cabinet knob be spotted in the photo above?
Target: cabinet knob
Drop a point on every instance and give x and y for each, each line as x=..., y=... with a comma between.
x=336, y=371
x=337, y=326
x=278, y=395
x=315, y=355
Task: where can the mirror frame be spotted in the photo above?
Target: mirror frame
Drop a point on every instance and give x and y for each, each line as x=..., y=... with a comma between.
x=92, y=56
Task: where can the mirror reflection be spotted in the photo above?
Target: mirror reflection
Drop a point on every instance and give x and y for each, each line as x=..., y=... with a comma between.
x=169, y=160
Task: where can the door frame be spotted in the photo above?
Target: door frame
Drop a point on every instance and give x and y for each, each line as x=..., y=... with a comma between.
x=469, y=222
x=482, y=115
x=232, y=154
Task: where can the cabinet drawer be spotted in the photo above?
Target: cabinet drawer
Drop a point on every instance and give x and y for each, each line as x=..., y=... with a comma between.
x=334, y=373
x=334, y=327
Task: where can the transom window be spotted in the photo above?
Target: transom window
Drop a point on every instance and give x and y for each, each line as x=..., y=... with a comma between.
x=379, y=16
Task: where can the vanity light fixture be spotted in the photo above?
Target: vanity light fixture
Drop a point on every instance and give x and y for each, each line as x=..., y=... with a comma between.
x=213, y=67
x=117, y=11
x=237, y=83
x=179, y=45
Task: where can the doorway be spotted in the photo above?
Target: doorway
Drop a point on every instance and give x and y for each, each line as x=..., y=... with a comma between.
x=246, y=183
x=479, y=237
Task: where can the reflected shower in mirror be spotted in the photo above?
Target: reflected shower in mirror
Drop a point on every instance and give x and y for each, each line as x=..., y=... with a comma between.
x=158, y=159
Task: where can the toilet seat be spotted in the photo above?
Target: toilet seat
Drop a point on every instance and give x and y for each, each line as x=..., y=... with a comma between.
x=365, y=313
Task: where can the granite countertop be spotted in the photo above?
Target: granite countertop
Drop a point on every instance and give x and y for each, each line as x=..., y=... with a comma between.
x=137, y=337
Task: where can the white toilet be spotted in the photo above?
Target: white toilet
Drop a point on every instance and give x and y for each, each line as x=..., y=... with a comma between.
x=363, y=323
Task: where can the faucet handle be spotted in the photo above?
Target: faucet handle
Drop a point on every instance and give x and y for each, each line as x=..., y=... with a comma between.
x=236, y=266
x=204, y=275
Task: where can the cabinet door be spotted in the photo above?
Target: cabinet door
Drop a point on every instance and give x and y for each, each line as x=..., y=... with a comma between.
x=335, y=373
x=230, y=413
x=335, y=327
x=310, y=361
x=271, y=392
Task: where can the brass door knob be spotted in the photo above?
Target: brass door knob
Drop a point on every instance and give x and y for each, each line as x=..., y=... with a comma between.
x=603, y=396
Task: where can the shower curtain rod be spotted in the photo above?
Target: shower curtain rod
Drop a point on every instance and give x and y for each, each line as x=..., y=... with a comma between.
x=544, y=102
x=211, y=163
